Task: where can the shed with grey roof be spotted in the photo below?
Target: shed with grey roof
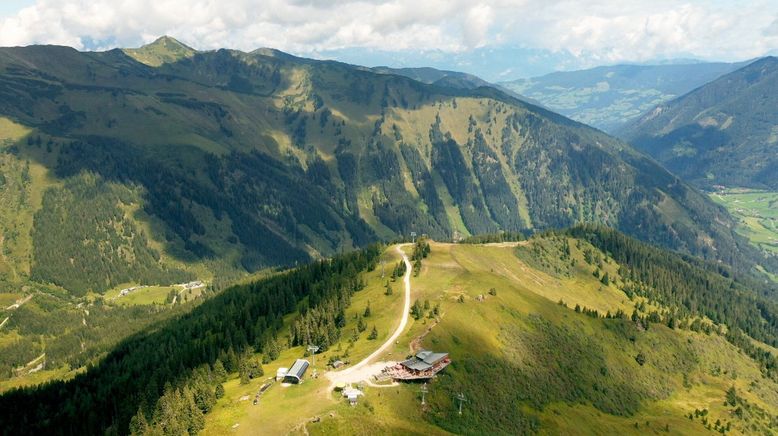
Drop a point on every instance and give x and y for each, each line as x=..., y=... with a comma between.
x=296, y=372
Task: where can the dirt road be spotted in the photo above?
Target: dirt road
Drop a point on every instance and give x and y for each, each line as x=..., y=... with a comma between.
x=363, y=370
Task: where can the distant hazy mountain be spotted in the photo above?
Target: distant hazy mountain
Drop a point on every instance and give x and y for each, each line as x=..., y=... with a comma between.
x=489, y=63
x=449, y=79
x=725, y=132
x=607, y=97
x=433, y=75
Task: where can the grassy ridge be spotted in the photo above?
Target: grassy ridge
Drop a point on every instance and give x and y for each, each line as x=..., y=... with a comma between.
x=546, y=353
x=525, y=359
x=528, y=363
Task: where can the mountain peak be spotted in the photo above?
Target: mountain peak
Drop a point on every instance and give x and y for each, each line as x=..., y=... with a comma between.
x=166, y=41
x=274, y=53
x=164, y=49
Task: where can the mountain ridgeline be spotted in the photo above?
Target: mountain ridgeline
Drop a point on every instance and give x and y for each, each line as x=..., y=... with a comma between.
x=173, y=161
x=723, y=133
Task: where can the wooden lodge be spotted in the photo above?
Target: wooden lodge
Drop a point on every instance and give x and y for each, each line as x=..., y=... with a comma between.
x=424, y=365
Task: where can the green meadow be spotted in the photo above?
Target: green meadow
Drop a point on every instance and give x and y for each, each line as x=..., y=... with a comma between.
x=757, y=213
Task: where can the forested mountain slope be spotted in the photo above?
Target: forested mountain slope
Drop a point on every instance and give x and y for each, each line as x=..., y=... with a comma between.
x=224, y=161
x=723, y=133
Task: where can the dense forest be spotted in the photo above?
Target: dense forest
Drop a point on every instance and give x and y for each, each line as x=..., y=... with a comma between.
x=85, y=242
x=144, y=367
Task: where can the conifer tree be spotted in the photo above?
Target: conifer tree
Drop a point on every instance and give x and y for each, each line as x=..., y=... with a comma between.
x=138, y=424
x=219, y=372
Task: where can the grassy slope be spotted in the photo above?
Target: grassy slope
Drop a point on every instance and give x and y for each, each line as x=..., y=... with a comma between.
x=498, y=329
x=147, y=295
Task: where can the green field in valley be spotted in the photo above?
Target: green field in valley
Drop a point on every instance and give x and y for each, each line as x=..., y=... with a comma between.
x=144, y=295
x=757, y=212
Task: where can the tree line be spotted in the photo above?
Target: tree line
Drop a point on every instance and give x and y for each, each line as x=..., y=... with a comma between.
x=245, y=317
x=693, y=288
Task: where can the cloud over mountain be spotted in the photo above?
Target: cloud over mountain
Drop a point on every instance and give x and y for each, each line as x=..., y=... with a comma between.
x=596, y=32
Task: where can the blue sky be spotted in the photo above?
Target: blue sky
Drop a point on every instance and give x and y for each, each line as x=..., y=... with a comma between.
x=497, y=39
x=11, y=7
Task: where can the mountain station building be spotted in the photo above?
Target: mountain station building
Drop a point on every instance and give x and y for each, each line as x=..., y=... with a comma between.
x=424, y=365
x=296, y=372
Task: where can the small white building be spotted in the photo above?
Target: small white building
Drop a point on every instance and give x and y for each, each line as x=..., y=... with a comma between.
x=352, y=394
x=281, y=373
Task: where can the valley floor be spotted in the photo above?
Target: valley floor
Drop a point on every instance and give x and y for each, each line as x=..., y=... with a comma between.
x=757, y=212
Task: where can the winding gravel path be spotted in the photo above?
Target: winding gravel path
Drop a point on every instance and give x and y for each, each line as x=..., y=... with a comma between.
x=363, y=370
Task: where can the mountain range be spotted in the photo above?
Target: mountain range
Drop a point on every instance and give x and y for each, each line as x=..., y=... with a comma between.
x=164, y=163
x=722, y=133
x=573, y=283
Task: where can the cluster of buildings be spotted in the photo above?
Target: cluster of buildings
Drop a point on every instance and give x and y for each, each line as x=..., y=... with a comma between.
x=423, y=366
x=126, y=291
x=197, y=284
x=193, y=285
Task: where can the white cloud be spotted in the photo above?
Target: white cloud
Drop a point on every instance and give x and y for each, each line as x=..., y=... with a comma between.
x=595, y=31
x=477, y=22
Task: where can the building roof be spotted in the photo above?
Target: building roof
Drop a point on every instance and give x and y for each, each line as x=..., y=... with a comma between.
x=424, y=360
x=429, y=357
x=416, y=364
x=351, y=392
x=298, y=369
